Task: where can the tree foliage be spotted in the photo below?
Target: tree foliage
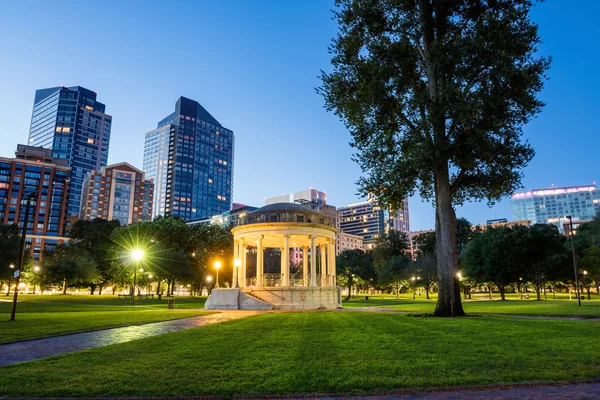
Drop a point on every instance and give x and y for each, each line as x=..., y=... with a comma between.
x=69, y=264
x=435, y=94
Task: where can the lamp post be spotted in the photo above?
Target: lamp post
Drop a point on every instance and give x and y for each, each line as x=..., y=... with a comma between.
x=574, y=258
x=35, y=269
x=136, y=255
x=30, y=198
x=217, y=266
x=236, y=264
x=12, y=266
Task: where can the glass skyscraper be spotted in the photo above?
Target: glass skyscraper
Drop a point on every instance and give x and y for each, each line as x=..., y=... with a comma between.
x=74, y=125
x=190, y=159
x=550, y=206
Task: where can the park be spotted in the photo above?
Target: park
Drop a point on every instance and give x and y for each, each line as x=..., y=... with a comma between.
x=381, y=344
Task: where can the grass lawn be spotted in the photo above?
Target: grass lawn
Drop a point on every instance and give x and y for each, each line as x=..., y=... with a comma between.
x=319, y=352
x=39, y=316
x=481, y=304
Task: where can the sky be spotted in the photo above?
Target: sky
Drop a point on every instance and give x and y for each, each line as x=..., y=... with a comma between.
x=254, y=66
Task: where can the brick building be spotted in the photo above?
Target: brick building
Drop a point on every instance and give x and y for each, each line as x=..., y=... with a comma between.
x=118, y=191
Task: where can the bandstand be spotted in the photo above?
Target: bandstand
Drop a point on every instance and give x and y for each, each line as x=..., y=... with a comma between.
x=296, y=231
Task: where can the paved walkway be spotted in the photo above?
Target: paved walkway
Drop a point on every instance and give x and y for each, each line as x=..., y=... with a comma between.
x=30, y=350
x=569, y=392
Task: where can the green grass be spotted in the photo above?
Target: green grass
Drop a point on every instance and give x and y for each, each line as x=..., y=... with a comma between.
x=46, y=315
x=325, y=352
x=481, y=304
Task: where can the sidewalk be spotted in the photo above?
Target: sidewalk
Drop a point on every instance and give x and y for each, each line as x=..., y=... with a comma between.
x=29, y=350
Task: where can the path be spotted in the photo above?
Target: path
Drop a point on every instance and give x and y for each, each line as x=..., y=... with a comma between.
x=29, y=350
x=586, y=391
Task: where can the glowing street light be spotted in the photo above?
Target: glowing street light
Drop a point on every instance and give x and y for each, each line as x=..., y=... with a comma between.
x=137, y=255
x=209, y=279
x=217, y=265
x=236, y=264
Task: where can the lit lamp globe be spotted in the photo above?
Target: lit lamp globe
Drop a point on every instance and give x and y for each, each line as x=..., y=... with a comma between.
x=137, y=254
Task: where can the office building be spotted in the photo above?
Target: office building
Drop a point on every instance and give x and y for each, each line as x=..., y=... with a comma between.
x=369, y=221
x=117, y=191
x=346, y=241
x=34, y=170
x=550, y=206
x=71, y=122
x=190, y=158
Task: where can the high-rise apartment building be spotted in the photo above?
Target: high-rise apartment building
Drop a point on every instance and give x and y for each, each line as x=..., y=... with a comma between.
x=34, y=171
x=346, y=241
x=118, y=191
x=370, y=221
x=190, y=158
x=550, y=206
x=74, y=125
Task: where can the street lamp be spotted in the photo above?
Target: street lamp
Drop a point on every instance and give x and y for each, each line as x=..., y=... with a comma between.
x=12, y=266
x=236, y=264
x=217, y=266
x=35, y=269
x=574, y=258
x=30, y=197
x=137, y=255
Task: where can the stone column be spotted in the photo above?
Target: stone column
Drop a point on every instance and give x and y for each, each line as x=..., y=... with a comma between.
x=236, y=271
x=323, y=267
x=242, y=255
x=259, y=262
x=330, y=262
x=313, y=262
x=285, y=260
x=332, y=270
x=305, y=265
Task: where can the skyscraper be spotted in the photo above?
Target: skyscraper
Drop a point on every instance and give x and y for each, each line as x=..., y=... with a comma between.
x=190, y=158
x=74, y=125
x=550, y=206
x=370, y=221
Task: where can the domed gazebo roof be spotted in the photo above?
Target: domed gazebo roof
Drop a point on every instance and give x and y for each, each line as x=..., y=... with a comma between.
x=286, y=212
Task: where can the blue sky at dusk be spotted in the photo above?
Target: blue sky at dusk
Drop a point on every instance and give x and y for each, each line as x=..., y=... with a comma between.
x=254, y=65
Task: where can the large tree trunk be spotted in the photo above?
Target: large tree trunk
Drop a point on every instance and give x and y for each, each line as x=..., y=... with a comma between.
x=501, y=289
x=349, y=291
x=448, y=303
x=427, y=292
x=538, y=290
x=158, y=287
x=100, y=290
x=92, y=289
x=64, y=286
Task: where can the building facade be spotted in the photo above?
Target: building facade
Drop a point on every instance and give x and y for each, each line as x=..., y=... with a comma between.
x=550, y=206
x=190, y=158
x=346, y=241
x=369, y=221
x=34, y=171
x=118, y=191
x=231, y=218
x=71, y=122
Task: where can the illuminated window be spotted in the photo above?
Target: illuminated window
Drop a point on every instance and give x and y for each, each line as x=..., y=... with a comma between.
x=59, y=129
x=66, y=129
x=224, y=162
x=209, y=180
x=90, y=141
x=89, y=108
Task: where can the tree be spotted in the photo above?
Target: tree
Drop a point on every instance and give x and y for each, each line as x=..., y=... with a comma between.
x=435, y=94
x=394, y=272
x=352, y=265
x=426, y=269
x=493, y=256
x=95, y=237
x=390, y=244
x=591, y=262
x=543, y=254
x=70, y=264
x=10, y=242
